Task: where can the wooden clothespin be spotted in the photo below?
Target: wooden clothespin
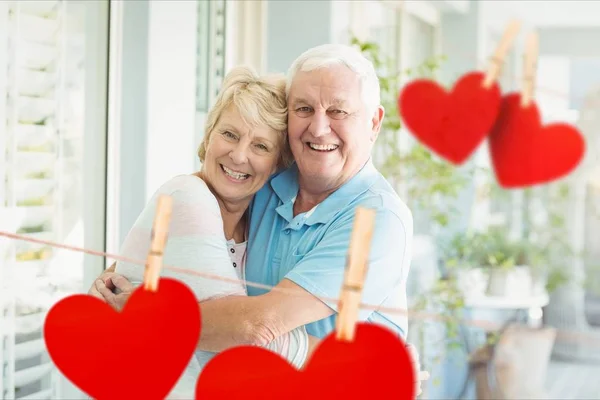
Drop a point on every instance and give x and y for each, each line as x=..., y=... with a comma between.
x=160, y=229
x=356, y=271
x=529, y=69
x=498, y=59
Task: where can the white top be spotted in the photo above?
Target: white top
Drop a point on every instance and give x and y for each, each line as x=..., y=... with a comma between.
x=196, y=241
x=236, y=253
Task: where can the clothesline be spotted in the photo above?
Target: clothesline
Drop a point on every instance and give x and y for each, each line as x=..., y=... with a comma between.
x=516, y=80
x=562, y=335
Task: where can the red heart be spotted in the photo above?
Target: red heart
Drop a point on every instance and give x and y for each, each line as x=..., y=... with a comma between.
x=524, y=153
x=450, y=124
x=139, y=353
x=376, y=365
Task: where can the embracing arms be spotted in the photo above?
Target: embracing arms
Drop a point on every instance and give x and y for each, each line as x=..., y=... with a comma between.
x=258, y=320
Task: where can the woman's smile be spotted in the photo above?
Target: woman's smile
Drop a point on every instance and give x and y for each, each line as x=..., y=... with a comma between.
x=233, y=175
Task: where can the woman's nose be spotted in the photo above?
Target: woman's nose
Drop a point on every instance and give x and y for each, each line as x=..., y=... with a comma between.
x=239, y=154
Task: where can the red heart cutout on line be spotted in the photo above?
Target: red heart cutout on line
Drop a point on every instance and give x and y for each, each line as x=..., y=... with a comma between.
x=375, y=365
x=525, y=153
x=138, y=353
x=451, y=124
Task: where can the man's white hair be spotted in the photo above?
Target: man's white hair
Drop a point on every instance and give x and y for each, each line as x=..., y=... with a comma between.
x=326, y=55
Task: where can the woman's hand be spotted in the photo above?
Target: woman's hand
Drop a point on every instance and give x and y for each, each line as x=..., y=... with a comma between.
x=109, y=272
x=114, y=283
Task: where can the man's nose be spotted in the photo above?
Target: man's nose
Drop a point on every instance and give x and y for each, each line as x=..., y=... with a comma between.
x=319, y=125
x=239, y=154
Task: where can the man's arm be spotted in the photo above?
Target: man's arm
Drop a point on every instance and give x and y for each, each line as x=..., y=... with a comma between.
x=258, y=320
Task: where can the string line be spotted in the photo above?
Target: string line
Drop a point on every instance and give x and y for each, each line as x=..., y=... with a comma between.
x=516, y=78
x=562, y=335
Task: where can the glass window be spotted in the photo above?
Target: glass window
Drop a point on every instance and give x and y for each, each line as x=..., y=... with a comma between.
x=421, y=37
x=384, y=29
x=52, y=174
x=211, y=51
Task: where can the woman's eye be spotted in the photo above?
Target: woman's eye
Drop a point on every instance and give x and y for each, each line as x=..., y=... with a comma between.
x=229, y=135
x=261, y=147
x=303, y=109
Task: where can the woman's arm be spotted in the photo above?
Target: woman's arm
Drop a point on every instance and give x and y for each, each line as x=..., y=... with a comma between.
x=258, y=320
x=103, y=277
x=196, y=242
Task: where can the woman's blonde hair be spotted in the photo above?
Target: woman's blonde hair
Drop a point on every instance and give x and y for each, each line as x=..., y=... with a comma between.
x=259, y=100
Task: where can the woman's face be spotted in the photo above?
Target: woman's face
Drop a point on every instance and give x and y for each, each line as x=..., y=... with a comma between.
x=240, y=158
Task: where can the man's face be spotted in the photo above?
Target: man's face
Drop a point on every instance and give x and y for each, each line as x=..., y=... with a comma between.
x=330, y=129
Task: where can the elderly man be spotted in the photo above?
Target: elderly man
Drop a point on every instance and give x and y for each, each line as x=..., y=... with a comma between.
x=301, y=220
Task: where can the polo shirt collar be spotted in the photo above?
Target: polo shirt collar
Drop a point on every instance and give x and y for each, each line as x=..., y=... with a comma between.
x=285, y=186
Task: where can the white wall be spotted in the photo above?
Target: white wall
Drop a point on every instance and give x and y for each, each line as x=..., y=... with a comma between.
x=581, y=42
x=153, y=119
x=294, y=26
x=559, y=13
x=128, y=81
x=171, y=143
x=341, y=17
x=553, y=83
x=534, y=13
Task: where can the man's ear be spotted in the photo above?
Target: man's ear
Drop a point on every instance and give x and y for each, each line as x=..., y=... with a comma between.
x=376, y=122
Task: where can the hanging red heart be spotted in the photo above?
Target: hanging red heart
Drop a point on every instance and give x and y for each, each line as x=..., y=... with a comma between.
x=139, y=353
x=376, y=365
x=450, y=124
x=524, y=153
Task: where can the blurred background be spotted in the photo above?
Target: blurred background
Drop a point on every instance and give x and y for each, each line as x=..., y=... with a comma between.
x=103, y=101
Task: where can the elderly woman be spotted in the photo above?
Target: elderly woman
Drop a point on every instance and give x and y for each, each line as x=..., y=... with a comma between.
x=244, y=144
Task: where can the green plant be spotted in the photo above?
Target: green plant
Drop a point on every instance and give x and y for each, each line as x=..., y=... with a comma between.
x=38, y=201
x=462, y=250
x=490, y=249
x=428, y=180
x=31, y=229
x=446, y=299
x=39, y=175
x=553, y=251
x=498, y=251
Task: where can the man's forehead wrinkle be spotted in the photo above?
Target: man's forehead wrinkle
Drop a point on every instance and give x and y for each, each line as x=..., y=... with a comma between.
x=321, y=89
x=323, y=100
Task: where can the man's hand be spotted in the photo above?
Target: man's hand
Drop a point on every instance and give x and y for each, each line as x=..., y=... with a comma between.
x=123, y=288
x=420, y=375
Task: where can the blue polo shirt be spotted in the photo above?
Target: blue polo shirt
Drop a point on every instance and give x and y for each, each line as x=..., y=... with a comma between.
x=311, y=248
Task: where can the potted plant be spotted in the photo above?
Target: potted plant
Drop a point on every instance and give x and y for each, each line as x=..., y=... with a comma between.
x=492, y=264
x=510, y=271
x=463, y=264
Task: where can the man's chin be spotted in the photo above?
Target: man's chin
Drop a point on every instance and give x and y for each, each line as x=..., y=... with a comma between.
x=321, y=176
x=318, y=171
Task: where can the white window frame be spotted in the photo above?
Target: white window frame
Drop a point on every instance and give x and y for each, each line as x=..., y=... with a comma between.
x=113, y=192
x=246, y=34
x=426, y=13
